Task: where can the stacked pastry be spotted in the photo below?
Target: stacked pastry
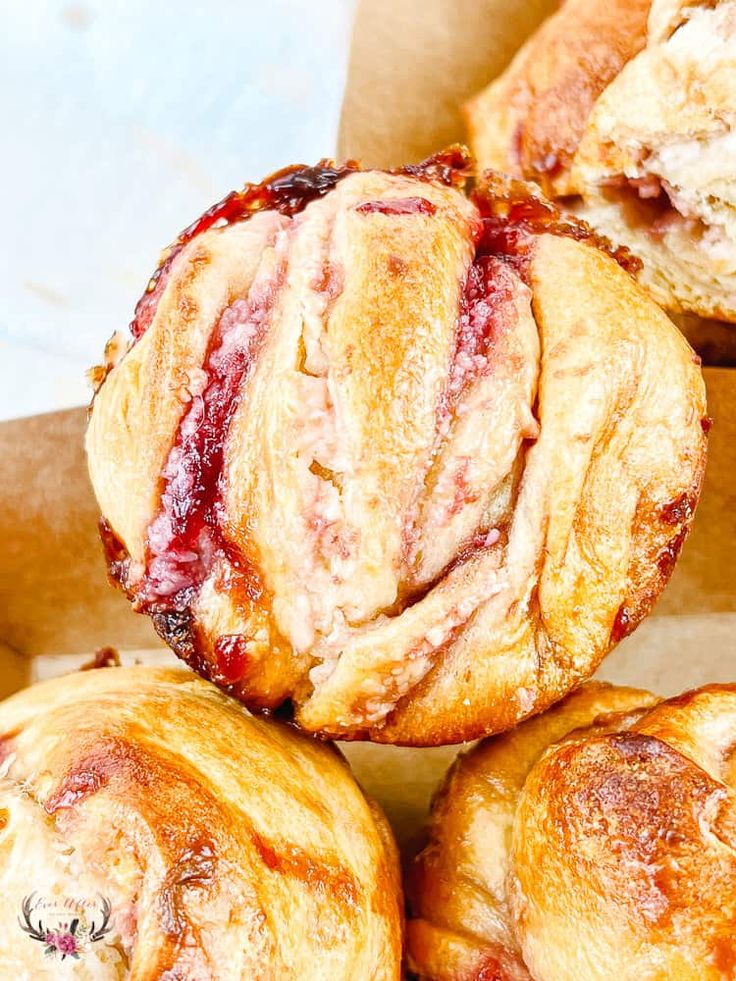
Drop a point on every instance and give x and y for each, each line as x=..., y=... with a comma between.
x=627, y=109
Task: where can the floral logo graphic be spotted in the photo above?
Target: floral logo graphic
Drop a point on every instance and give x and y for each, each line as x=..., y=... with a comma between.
x=66, y=929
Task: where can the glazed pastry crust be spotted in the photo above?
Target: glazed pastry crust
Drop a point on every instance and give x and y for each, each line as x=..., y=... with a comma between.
x=593, y=841
x=647, y=140
x=229, y=847
x=455, y=430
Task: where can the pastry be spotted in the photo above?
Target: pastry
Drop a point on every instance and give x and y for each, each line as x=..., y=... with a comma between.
x=595, y=841
x=396, y=459
x=629, y=108
x=188, y=839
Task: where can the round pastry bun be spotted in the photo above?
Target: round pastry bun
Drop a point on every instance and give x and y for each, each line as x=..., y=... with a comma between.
x=227, y=847
x=630, y=107
x=399, y=457
x=595, y=841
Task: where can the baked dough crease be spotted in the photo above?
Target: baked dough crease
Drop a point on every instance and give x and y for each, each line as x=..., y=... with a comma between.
x=207, y=844
x=627, y=109
x=595, y=841
x=399, y=458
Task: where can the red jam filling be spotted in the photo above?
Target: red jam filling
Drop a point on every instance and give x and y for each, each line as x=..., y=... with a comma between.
x=231, y=658
x=623, y=624
x=398, y=206
x=512, y=216
x=75, y=787
x=451, y=166
x=678, y=511
x=145, y=309
x=287, y=191
x=183, y=539
x=488, y=288
x=668, y=556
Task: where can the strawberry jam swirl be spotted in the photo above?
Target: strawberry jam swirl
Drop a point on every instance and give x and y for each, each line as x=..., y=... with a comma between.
x=398, y=206
x=481, y=315
x=186, y=536
x=288, y=191
x=511, y=216
x=183, y=538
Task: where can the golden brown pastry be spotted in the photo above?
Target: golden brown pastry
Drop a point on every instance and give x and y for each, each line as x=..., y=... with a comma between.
x=630, y=106
x=408, y=458
x=225, y=847
x=595, y=841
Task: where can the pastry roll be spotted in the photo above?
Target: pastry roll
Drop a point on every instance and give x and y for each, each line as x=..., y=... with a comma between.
x=189, y=840
x=629, y=106
x=595, y=841
x=400, y=460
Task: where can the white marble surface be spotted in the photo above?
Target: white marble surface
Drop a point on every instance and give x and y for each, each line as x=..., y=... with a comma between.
x=123, y=120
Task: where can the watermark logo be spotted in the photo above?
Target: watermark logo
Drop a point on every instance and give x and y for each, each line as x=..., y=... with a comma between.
x=66, y=927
